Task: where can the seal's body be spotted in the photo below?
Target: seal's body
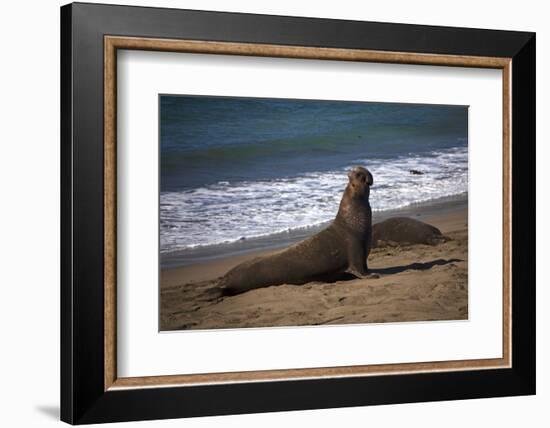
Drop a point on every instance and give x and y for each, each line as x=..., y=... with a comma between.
x=405, y=231
x=344, y=245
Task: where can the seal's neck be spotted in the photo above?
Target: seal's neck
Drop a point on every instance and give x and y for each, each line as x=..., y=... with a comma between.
x=353, y=194
x=354, y=211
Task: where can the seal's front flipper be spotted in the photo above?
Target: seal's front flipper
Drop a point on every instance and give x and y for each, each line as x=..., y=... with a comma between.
x=355, y=273
x=357, y=260
x=363, y=276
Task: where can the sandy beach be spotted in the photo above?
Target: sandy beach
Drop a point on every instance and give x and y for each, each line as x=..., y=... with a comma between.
x=416, y=283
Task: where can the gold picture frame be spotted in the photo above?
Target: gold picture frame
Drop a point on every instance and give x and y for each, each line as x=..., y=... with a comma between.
x=114, y=43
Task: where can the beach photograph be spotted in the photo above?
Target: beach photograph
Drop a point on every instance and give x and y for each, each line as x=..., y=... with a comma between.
x=284, y=212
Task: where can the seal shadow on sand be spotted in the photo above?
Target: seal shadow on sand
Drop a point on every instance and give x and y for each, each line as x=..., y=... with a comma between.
x=393, y=270
x=414, y=266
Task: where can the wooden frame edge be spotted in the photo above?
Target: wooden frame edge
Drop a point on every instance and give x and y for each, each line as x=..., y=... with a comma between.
x=109, y=198
x=301, y=52
x=112, y=43
x=299, y=374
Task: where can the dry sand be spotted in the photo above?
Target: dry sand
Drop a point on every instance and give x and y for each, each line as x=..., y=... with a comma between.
x=417, y=283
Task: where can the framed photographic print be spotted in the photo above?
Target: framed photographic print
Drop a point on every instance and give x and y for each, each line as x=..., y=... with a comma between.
x=266, y=213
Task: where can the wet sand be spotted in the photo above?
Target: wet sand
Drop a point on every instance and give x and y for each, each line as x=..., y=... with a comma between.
x=417, y=283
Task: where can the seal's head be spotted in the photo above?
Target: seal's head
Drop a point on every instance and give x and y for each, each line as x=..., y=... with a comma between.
x=360, y=180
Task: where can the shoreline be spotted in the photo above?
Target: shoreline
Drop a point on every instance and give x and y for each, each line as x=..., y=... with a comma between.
x=265, y=244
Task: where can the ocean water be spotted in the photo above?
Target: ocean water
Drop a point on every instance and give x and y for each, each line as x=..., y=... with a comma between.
x=236, y=169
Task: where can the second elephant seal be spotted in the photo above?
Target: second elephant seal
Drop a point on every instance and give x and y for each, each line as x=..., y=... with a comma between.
x=405, y=231
x=343, y=246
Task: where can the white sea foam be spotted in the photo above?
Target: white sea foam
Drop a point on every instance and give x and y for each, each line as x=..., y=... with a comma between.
x=228, y=212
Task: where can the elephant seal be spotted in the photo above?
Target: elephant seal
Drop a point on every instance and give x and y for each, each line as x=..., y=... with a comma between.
x=405, y=230
x=343, y=245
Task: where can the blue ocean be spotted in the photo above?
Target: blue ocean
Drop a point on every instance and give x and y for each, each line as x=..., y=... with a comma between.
x=239, y=169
